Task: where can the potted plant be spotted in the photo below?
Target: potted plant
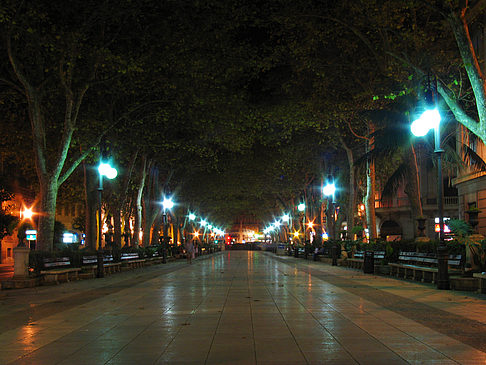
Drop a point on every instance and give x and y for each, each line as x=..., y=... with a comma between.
x=473, y=215
x=421, y=225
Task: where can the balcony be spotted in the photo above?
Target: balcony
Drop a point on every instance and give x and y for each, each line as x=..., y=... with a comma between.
x=402, y=202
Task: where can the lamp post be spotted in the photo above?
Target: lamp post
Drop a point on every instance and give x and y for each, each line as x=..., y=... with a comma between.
x=286, y=220
x=167, y=203
x=330, y=191
x=430, y=119
x=104, y=169
x=301, y=209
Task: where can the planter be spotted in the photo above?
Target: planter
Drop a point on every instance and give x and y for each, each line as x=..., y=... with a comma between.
x=464, y=284
x=473, y=216
x=421, y=227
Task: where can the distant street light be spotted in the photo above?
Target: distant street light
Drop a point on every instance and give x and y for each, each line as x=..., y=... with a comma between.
x=192, y=216
x=104, y=169
x=167, y=204
x=330, y=190
x=301, y=208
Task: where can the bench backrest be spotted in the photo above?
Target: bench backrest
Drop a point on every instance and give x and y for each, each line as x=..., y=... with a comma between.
x=50, y=262
x=376, y=255
x=428, y=259
x=129, y=256
x=379, y=255
x=90, y=260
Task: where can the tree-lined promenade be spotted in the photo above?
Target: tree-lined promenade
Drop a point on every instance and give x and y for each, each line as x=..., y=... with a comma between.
x=233, y=107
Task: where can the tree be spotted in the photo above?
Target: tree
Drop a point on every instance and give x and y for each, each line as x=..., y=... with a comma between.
x=7, y=220
x=71, y=49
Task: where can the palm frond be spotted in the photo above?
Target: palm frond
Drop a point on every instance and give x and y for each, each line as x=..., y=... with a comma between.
x=394, y=181
x=473, y=159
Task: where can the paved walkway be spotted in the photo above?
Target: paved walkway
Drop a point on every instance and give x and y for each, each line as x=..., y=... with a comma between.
x=242, y=308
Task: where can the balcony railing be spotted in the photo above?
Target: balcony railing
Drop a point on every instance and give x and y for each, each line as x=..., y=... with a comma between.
x=403, y=202
x=392, y=203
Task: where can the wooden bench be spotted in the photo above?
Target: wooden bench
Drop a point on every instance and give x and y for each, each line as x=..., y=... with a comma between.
x=130, y=260
x=482, y=281
x=357, y=261
x=155, y=259
x=90, y=265
x=422, y=266
x=58, y=270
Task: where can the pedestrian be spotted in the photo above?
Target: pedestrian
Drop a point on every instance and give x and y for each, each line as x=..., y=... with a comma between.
x=189, y=251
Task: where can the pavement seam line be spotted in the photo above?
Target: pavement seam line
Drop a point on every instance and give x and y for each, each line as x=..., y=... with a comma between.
x=309, y=268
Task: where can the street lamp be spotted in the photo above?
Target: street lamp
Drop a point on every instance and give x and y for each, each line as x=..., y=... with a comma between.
x=167, y=203
x=301, y=209
x=430, y=119
x=104, y=169
x=286, y=220
x=330, y=191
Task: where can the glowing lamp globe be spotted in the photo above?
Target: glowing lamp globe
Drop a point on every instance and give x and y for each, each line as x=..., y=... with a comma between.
x=106, y=170
x=428, y=120
x=329, y=189
x=168, y=203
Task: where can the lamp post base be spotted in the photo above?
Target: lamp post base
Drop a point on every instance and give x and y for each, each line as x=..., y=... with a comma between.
x=443, y=282
x=334, y=254
x=100, y=272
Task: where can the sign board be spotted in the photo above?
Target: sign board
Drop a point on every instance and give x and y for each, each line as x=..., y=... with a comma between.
x=68, y=237
x=31, y=234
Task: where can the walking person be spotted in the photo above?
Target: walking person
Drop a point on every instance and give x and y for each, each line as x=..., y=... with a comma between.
x=189, y=251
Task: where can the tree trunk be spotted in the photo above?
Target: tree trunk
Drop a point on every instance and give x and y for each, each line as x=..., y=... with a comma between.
x=127, y=231
x=138, y=203
x=351, y=208
x=370, y=200
x=91, y=203
x=371, y=189
x=117, y=228
x=412, y=186
x=45, y=228
x=156, y=229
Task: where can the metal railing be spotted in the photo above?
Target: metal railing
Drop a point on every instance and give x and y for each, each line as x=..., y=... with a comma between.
x=403, y=202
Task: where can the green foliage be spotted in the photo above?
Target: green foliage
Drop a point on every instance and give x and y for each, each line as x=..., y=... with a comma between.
x=79, y=223
x=459, y=227
x=7, y=220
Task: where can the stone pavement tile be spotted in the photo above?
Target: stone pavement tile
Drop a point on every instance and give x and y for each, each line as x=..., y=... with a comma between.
x=428, y=355
x=232, y=351
x=379, y=358
x=434, y=362
x=184, y=354
x=320, y=345
x=86, y=357
x=9, y=355
x=237, y=331
x=136, y=356
x=284, y=349
x=272, y=333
